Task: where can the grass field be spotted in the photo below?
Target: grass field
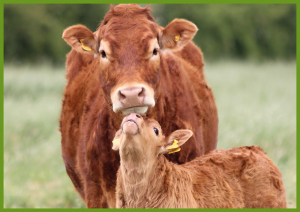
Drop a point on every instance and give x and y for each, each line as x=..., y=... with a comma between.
x=256, y=105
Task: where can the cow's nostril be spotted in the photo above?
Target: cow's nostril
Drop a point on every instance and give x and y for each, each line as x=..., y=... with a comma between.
x=142, y=93
x=121, y=96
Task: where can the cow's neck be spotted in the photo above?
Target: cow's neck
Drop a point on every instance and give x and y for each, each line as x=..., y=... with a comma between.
x=175, y=93
x=143, y=181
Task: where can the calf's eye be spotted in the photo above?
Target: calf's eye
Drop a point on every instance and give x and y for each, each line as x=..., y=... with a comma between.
x=154, y=51
x=156, y=131
x=103, y=54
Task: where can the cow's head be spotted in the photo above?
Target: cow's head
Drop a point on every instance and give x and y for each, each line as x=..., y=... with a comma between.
x=130, y=45
x=141, y=140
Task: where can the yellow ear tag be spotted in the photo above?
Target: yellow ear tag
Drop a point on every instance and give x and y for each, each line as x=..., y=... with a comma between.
x=116, y=141
x=177, y=37
x=175, y=150
x=174, y=145
x=84, y=47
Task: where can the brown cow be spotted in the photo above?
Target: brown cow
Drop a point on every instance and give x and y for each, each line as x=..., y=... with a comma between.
x=241, y=177
x=130, y=64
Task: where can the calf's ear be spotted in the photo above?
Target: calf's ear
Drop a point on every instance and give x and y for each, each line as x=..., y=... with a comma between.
x=177, y=34
x=81, y=39
x=175, y=140
x=116, y=141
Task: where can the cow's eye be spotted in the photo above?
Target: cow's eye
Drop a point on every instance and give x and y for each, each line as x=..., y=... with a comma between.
x=103, y=54
x=154, y=51
x=156, y=131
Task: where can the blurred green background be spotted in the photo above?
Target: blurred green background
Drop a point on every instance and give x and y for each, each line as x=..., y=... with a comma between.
x=250, y=56
x=33, y=32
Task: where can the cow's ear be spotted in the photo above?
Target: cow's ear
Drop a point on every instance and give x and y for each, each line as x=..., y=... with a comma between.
x=81, y=39
x=116, y=141
x=175, y=140
x=176, y=34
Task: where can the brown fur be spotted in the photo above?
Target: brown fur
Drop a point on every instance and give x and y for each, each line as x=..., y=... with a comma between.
x=241, y=177
x=87, y=123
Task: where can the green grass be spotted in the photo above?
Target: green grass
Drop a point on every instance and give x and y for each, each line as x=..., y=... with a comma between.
x=34, y=173
x=256, y=105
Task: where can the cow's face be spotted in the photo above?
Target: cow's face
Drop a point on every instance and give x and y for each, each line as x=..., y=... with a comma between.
x=129, y=45
x=129, y=60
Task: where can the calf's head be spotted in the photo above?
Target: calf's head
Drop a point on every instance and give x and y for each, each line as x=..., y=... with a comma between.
x=129, y=46
x=141, y=139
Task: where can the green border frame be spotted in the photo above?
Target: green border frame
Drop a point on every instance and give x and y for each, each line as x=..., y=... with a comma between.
x=130, y=1
x=2, y=105
x=151, y=2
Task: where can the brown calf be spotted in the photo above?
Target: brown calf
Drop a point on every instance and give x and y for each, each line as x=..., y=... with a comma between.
x=237, y=178
x=130, y=64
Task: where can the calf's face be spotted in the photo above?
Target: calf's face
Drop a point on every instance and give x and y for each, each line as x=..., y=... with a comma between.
x=141, y=139
x=129, y=45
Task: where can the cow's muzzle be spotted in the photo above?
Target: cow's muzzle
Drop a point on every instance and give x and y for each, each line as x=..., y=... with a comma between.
x=133, y=99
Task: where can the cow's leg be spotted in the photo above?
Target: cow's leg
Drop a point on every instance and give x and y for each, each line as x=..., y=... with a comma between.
x=94, y=196
x=75, y=180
